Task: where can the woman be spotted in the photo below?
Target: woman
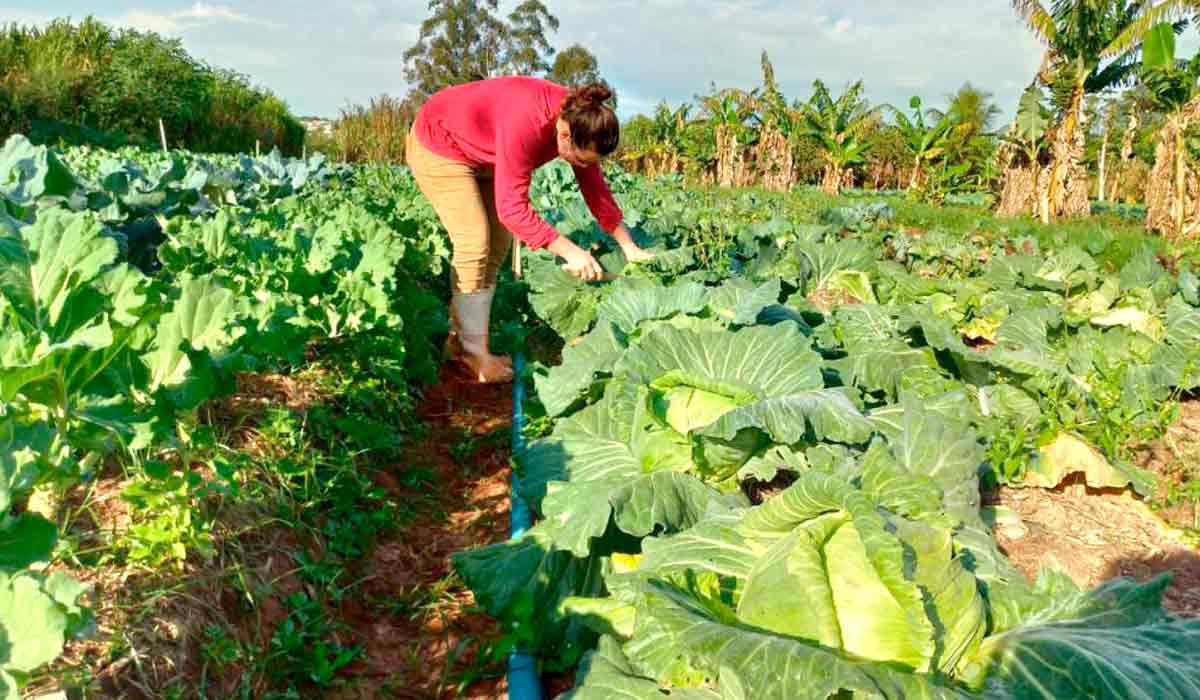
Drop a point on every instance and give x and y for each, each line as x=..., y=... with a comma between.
x=473, y=149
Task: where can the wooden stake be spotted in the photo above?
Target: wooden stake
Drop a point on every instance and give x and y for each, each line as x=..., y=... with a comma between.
x=257, y=148
x=516, y=256
x=162, y=134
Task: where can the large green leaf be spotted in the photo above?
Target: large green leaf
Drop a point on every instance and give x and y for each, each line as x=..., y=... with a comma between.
x=198, y=327
x=638, y=504
x=1111, y=644
x=44, y=274
x=774, y=667
x=1178, y=357
x=1158, y=47
x=740, y=302
x=560, y=299
x=29, y=452
x=1023, y=345
x=24, y=540
x=633, y=300
x=819, y=415
x=768, y=361
x=567, y=382
x=605, y=674
x=32, y=624
x=28, y=172
x=521, y=583
x=1032, y=119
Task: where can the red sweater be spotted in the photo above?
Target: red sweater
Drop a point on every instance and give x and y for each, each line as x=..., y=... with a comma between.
x=509, y=123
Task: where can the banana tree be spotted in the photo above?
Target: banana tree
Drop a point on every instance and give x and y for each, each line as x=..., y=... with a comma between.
x=838, y=126
x=1024, y=148
x=926, y=142
x=728, y=111
x=776, y=165
x=1091, y=45
x=1173, y=87
x=666, y=138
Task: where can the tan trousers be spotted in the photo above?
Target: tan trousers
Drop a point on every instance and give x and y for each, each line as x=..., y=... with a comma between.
x=465, y=201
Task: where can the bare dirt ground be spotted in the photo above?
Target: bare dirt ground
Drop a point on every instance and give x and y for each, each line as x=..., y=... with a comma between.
x=1093, y=535
x=420, y=635
x=421, y=647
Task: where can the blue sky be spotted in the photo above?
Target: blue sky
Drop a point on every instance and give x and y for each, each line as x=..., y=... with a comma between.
x=319, y=56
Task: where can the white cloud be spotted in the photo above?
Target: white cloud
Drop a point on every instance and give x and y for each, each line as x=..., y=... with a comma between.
x=319, y=55
x=203, y=11
x=24, y=17
x=675, y=48
x=199, y=14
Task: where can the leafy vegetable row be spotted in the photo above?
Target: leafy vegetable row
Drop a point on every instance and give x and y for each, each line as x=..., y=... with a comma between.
x=762, y=471
x=100, y=361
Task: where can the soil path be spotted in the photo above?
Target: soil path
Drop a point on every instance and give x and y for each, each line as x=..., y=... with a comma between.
x=422, y=636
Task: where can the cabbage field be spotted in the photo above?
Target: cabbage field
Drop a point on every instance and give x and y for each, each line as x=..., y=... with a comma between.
x=758, y=462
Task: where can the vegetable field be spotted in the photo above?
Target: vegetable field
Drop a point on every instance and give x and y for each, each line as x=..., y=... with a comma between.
x=789, y=457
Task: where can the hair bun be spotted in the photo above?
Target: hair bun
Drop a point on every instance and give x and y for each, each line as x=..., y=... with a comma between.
x=596, y=93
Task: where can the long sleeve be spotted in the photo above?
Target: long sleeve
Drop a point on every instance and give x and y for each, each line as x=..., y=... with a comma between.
x=598, y=197
x=516, y=152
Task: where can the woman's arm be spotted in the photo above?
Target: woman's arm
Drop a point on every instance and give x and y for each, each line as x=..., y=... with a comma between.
x=602, y=205
x=633, y=252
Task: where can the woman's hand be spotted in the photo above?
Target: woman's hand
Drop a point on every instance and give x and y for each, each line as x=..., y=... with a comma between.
x=579, y=262
x=633, y=252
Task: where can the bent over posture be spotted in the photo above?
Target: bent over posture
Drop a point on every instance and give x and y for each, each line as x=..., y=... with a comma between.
x=473, y=149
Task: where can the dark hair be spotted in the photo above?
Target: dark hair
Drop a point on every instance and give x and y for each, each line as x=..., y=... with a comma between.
x=593, y=124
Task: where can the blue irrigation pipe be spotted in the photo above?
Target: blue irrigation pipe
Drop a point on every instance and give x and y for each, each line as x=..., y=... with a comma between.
x=523, y=682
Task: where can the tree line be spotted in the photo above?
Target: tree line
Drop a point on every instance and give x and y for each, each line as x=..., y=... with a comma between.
x=1112, y=114
x=88, y=82
x=459, y=42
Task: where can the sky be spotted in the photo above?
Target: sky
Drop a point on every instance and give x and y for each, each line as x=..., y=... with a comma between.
x=320, y=56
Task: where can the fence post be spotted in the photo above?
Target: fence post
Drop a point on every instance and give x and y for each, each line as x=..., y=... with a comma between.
x=257, y=148
x=162, y=134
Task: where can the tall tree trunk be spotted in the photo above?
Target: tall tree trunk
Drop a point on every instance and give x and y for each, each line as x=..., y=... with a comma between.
x=1126, y=157
x=831, y=183
x=1060, y=188
x=727, y=155
x=915, y=180
x=1058, y=191
x=1173, y=188
x=1019, y=191
x=1103, y=159
x=775, y=166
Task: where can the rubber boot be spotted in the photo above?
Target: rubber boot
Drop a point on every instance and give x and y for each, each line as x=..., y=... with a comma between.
x=452, y=349
x=473, y=313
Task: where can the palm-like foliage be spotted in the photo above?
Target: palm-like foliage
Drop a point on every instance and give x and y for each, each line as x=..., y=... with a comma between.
x=668, y=125
x=1091, y=45
x=838, y=125
x=925, y=141
x=1173, y=87
x=728, y=107
x=1091, y=33
x=1170, y=83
